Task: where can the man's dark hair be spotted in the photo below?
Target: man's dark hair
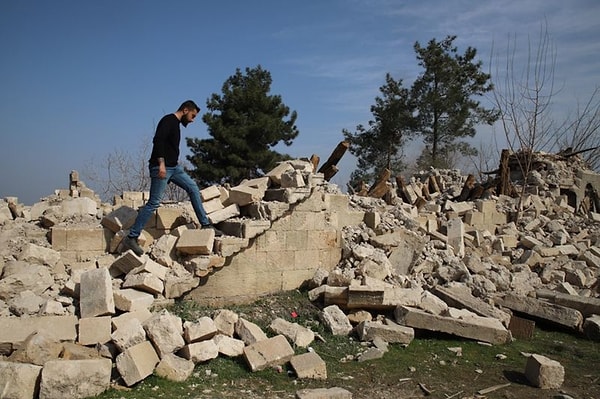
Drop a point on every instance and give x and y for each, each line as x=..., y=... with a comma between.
x=189, y=104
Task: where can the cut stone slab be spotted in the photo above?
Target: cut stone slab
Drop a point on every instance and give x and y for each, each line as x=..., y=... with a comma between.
x=301, y=336
x=96, y=293
x=37, y=349
x=146, y=282
x=544, y=373
x=142, y=315
x=199, y=352
x=371, y=354
x=225, y=320
x=19, y=380
x=270, y=352
x=196, y=242
x=94, y=330
x=15, y=331
x=551, y=312
x=131, y=300
x=202, y=329
x=335, y=320
x=461, y=297
x=137, y=362
x=165, y=330
x=127, y=262
x=221, y=215
x=174, y=368
x=591, y=327
x=473, y=327
x=229, y=346
x=586, y=305
x=129, y=334
x=521, y=328
x=249, y=332
x=75, y=378
x=121, y=218
x=309, y=365
x=324, y=393
x=391, y=333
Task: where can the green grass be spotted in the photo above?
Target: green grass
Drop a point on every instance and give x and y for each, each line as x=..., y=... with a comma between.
x=426, y=364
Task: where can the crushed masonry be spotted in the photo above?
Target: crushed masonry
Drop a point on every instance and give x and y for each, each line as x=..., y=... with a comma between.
x=439, y=251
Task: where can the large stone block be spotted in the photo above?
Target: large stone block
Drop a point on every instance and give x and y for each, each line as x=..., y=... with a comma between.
x=199, y=352
x=456, y=233
x=270, y=352
x=324, y=393
x=80, y=239
x=137, y=362
x=15, y=331
x=174, y=368
x=210, y=193
x=228, y=212
x=202, y=329
x=309, y=365
x=142, y=315
x=244, y=195
x=75, y=378
x=335, y=320
x=169, y=217
x=196, y=242
x=389, y=332
x=213, y=205
x=551, y=312
x=229, y=346
x=544, y=373
x=299, y=335
x=165, y=330
x=249, y=332
x=121, y=218
x=471, y=326
x=96, y=293
x=94, y=330
x=131, y=300
x=19, y=380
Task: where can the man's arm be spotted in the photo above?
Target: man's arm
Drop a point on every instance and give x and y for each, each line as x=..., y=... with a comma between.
x=162, y=169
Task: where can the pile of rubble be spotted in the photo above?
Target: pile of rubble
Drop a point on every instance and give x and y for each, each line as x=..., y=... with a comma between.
x=74, y=307
x=427, y=255
x=424, y=258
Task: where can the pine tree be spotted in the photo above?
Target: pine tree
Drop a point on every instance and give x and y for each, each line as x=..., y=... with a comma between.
x=245, y=123
x=444, y=97
x=380, y=145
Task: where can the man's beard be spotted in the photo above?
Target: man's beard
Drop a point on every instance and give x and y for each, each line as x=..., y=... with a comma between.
x=184, y=121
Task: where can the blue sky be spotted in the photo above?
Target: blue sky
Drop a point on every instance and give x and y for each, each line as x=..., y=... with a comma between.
x=81, y=79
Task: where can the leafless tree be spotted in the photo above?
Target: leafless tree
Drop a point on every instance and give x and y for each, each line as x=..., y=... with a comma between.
x=523, y=94
x=582, y=132
x=123, y=171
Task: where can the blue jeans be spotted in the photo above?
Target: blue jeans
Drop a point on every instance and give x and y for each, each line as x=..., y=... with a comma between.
x=177, y=175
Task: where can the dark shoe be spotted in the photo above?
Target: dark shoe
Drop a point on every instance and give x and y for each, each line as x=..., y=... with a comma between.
x=218, y=233
x=132, y=243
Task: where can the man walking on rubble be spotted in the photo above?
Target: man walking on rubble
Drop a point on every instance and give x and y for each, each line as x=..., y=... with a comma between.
x=164, y=168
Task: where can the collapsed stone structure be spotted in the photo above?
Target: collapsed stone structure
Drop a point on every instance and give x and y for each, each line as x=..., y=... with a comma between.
x=416, y=257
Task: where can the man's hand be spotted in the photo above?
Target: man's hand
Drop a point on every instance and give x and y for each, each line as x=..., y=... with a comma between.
x=162, y=169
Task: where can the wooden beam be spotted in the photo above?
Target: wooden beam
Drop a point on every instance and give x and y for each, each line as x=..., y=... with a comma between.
x=329, y=168
x=381, y=186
